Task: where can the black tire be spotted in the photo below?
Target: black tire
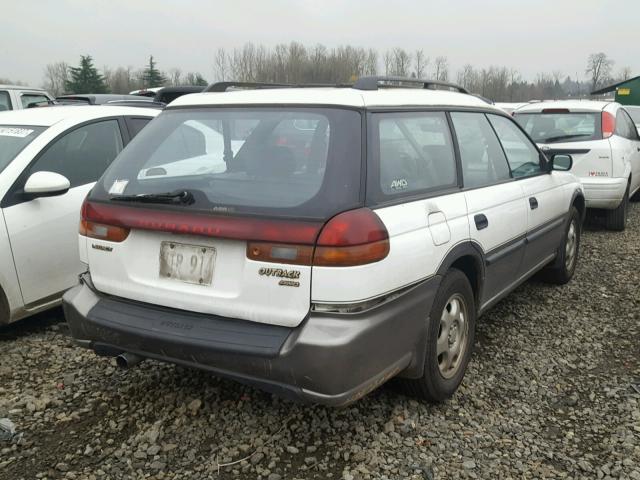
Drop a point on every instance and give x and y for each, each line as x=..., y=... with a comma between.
x=616, y=219
x=433, y=386
x=562, y=270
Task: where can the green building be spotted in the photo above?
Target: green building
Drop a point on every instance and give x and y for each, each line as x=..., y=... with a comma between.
x=627, y=92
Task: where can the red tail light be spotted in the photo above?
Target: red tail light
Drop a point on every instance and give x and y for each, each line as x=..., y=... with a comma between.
x=608, y=124
x=188, y=223
x=100, y=231
x=356, y=237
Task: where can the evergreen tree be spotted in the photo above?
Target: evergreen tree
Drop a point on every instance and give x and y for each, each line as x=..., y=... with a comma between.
x=85, y=78
x=152, y=77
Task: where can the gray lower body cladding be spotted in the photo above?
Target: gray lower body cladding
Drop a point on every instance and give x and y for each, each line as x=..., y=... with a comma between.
x=330, y=358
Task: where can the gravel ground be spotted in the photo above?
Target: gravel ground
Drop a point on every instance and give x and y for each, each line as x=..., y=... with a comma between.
x=552, y=391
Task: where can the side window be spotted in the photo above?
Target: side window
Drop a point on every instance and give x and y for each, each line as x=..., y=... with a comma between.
x=33, y=99
x=83, y=154
x=136, y=124
x=522, y=155
x=415, y=151
x=5, y=101
x=483, y=161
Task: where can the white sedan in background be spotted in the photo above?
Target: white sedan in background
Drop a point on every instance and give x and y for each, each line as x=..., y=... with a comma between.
x=49, y=160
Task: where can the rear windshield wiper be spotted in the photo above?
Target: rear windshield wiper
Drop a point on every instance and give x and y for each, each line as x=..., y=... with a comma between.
x=179, y=197
x=565, y=137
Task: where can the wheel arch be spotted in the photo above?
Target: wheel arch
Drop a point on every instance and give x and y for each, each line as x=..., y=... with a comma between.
x=579, y=202
x=467, y=257
x=5, y=311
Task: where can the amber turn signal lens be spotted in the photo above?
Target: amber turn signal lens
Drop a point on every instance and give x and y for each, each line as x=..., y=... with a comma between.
x=103, y=232
x=351, y=256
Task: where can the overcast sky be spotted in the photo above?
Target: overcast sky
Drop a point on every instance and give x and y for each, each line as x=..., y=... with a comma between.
x=534, y=36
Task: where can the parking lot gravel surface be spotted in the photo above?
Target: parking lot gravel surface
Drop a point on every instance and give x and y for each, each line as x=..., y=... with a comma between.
x=552, y=391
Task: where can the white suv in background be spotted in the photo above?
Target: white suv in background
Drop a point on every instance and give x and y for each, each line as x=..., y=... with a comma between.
x=341, y=236
x=49, y=159
x=604, y=143
x=17, y=97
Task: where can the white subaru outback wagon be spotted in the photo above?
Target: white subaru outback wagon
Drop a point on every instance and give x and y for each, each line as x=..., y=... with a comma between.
x=339, y=238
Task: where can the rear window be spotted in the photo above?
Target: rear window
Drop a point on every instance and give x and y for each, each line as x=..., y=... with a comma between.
x=13, y=139
x=561, y=127
x=302, y=162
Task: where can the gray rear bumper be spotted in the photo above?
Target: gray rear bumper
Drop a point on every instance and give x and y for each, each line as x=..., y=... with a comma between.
x=330, y=358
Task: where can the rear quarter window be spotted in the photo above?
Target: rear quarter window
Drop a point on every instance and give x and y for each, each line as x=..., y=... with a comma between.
x=411, y=153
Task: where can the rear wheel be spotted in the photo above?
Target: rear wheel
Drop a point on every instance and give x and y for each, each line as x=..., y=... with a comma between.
x=563, y=268
x=450, y=336
x=617, y=219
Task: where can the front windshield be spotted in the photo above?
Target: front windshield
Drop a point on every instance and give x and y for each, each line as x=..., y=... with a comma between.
x=545, y=127
x=290, y=161
x=13, y=139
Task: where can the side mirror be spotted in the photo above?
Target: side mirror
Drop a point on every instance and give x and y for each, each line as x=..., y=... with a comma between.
x=46, y=184
x=561, y=162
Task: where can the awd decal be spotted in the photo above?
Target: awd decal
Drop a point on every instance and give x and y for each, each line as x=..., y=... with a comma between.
x=399, y=184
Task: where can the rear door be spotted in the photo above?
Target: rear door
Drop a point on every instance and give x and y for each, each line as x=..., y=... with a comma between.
x=543, y=193
x=496, y=208
x=43, y=231
x=623, y=147
x=626, y=129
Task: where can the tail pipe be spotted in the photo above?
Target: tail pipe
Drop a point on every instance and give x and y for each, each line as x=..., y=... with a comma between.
x=128, y=360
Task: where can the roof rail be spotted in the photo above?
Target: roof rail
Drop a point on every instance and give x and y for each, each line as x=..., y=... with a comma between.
x=373, y=83
x=224, y=86
x=136, y=103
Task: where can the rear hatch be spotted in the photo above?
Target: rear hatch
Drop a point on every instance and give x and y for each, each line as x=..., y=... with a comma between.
x=579, y=134
x=217, y=210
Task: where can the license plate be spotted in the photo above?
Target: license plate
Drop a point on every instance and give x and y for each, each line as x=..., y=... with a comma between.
x=187, y=263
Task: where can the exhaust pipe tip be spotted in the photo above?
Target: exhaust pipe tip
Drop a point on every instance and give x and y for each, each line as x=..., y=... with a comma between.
x=128, y=360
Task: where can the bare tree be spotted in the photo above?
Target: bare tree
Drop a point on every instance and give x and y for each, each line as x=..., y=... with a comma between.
x=387, y=59
x=221, y=65
x=625, y=73
x=598, y=68
x=401, y=62
x=174, y=76
x=421, y=63
x=441, y=69
x=371, y=63
x=122, y=80
x=55, y=77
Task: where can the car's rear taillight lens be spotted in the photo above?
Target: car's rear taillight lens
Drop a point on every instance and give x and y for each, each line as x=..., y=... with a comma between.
x=103, y=232
x=356, y=237
x=608, y=124
x=92, y=229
